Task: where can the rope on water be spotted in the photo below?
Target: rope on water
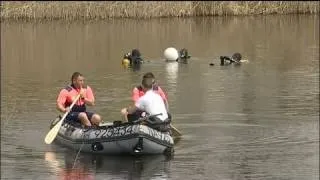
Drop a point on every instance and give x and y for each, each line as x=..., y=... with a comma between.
x=75, y=160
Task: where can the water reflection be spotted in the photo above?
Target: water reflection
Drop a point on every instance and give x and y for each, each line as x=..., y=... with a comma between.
x=130, y=167
x=71, y=165
x=172, y=69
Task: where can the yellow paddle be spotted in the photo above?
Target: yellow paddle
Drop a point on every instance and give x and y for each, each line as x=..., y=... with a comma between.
x=54, y=131
x=175, y=131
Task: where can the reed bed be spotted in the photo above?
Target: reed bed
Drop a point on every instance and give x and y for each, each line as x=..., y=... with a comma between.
x=95, y=10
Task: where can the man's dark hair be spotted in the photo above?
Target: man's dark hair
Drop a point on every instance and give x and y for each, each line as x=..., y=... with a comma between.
x=75, y=75
x=148, y=75
x=237, y=57
x=147, y=83
x=135, y=53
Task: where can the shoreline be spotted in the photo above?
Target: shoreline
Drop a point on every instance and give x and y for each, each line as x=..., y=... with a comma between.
x=70, y=11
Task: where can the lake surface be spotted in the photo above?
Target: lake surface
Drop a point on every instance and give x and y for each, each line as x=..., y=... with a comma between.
x=259, y=120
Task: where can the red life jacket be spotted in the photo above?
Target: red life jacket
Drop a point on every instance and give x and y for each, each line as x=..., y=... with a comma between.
x=76, y=107
x=141, y=93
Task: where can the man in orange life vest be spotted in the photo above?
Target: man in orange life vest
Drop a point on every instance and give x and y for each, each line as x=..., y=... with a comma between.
x=78, y=113
x=137, y=92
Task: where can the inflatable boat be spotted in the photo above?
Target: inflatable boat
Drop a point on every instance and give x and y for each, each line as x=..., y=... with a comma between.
x=114, y=138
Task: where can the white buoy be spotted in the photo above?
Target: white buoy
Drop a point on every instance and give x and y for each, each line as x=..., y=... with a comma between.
x=171, y=54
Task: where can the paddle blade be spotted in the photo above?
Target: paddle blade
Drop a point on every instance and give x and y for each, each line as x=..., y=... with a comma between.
x=53, y=133
x=175, y=131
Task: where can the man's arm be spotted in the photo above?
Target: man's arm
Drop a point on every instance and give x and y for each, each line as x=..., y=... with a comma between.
x=139, y=105
x=132, y=109
x=164, y=97
x=62, y=97
x=135, y=94
x=167, y=105
x=128, y=110
x=61, y=108
x=87, y=96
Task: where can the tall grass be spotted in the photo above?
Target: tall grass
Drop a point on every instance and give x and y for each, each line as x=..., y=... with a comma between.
x=90, y=10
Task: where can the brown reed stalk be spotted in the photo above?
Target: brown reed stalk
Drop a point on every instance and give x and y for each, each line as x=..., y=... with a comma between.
x=95, y=10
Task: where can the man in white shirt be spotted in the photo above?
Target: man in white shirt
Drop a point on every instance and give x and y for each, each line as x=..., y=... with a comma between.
x=151, y=102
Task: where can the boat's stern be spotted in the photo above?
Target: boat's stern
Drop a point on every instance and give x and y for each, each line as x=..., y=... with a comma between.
x=152, y=141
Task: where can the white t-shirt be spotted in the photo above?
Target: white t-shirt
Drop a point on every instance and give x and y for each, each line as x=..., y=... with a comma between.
x=152, y=103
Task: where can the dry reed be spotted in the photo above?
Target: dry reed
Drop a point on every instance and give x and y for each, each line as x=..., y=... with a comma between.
x=94, y=10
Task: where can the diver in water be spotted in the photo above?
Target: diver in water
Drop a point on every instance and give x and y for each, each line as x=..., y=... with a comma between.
x=133, y=58
x=172, y=54
x=183, y=56
x=226, y=60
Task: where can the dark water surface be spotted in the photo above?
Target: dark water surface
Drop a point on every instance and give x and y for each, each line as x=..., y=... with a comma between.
x=259, y=120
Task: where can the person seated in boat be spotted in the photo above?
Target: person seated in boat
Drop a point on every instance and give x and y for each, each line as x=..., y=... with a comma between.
x=133, y=58
x=79, y=111
x=235, y=58
x=151, y=103
x=138, y=92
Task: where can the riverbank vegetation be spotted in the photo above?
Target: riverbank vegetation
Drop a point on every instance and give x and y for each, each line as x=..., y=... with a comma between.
x=95, y=10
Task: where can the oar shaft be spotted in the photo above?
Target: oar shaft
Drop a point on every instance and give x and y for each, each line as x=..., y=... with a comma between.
x=71, y=106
